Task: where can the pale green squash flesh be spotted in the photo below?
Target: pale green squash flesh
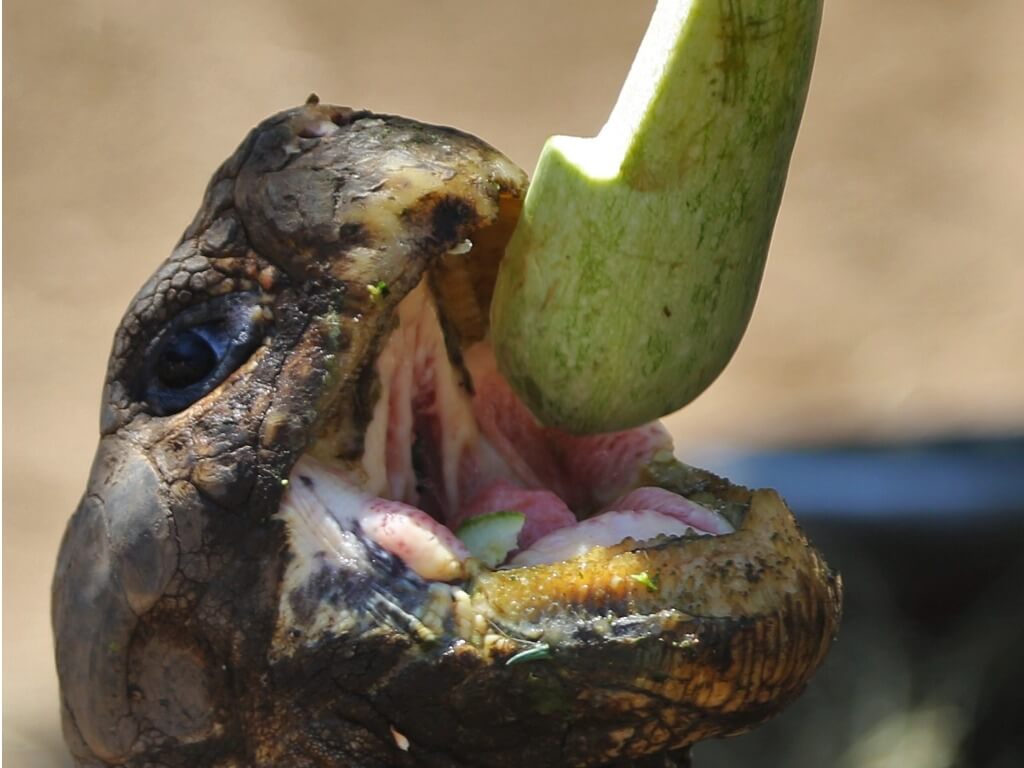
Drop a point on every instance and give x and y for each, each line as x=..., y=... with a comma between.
x=634, y=267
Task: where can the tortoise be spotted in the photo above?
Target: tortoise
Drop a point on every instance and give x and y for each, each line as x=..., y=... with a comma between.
x=301, y=407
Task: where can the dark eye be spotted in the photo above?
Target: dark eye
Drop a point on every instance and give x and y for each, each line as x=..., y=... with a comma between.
x=198, y=350
x=187, y=359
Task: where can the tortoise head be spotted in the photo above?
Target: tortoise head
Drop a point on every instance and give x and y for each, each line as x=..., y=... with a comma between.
x=301, y=407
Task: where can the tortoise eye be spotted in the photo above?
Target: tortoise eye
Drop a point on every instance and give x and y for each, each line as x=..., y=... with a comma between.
x=187, y=358
x=199, y=349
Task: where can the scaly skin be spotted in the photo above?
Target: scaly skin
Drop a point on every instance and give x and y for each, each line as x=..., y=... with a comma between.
x=189, y=631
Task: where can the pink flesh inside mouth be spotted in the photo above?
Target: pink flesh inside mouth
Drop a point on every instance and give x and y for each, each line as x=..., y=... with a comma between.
x=438, y=453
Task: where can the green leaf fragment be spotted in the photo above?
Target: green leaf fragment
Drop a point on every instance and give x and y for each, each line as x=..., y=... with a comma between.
x=651, y=582
x=378, y=290
x=536, y=653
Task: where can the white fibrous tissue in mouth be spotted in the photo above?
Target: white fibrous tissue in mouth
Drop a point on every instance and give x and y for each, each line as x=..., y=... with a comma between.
x=439, y=453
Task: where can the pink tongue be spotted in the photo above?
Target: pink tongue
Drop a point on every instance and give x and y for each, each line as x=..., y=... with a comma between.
x=587, y=472
x=544, y=511
x=605, y=530
x=674, y=505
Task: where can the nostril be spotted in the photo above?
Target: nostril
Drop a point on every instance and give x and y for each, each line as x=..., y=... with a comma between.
x=343, y=116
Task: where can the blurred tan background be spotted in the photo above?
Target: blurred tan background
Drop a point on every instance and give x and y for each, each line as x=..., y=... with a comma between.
x=892, y=303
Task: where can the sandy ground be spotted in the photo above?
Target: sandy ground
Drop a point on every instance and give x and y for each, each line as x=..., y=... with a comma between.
x=891, y=303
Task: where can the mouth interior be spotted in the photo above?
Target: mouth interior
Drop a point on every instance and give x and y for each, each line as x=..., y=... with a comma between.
x=450, y=442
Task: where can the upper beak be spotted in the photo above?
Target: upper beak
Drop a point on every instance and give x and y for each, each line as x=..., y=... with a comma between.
x=333, y=193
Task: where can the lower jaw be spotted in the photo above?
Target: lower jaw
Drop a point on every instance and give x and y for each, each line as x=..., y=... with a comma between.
x=719, y=634
x=338, y=534
x=765, y=568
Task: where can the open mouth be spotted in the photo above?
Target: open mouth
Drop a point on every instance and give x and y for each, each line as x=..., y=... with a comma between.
x=452, y=452
x=436, y=536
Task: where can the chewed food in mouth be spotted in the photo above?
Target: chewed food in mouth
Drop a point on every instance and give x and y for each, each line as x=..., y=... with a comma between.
x=451, y=443
x=322, y=531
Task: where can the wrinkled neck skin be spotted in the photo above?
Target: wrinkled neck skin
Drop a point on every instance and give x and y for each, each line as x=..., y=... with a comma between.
x=263, y=570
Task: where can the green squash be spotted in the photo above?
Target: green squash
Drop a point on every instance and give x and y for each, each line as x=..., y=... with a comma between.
x=633, y=269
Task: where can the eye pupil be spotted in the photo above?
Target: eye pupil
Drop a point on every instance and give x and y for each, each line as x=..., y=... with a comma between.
x=198, y=349
x=186, y=359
